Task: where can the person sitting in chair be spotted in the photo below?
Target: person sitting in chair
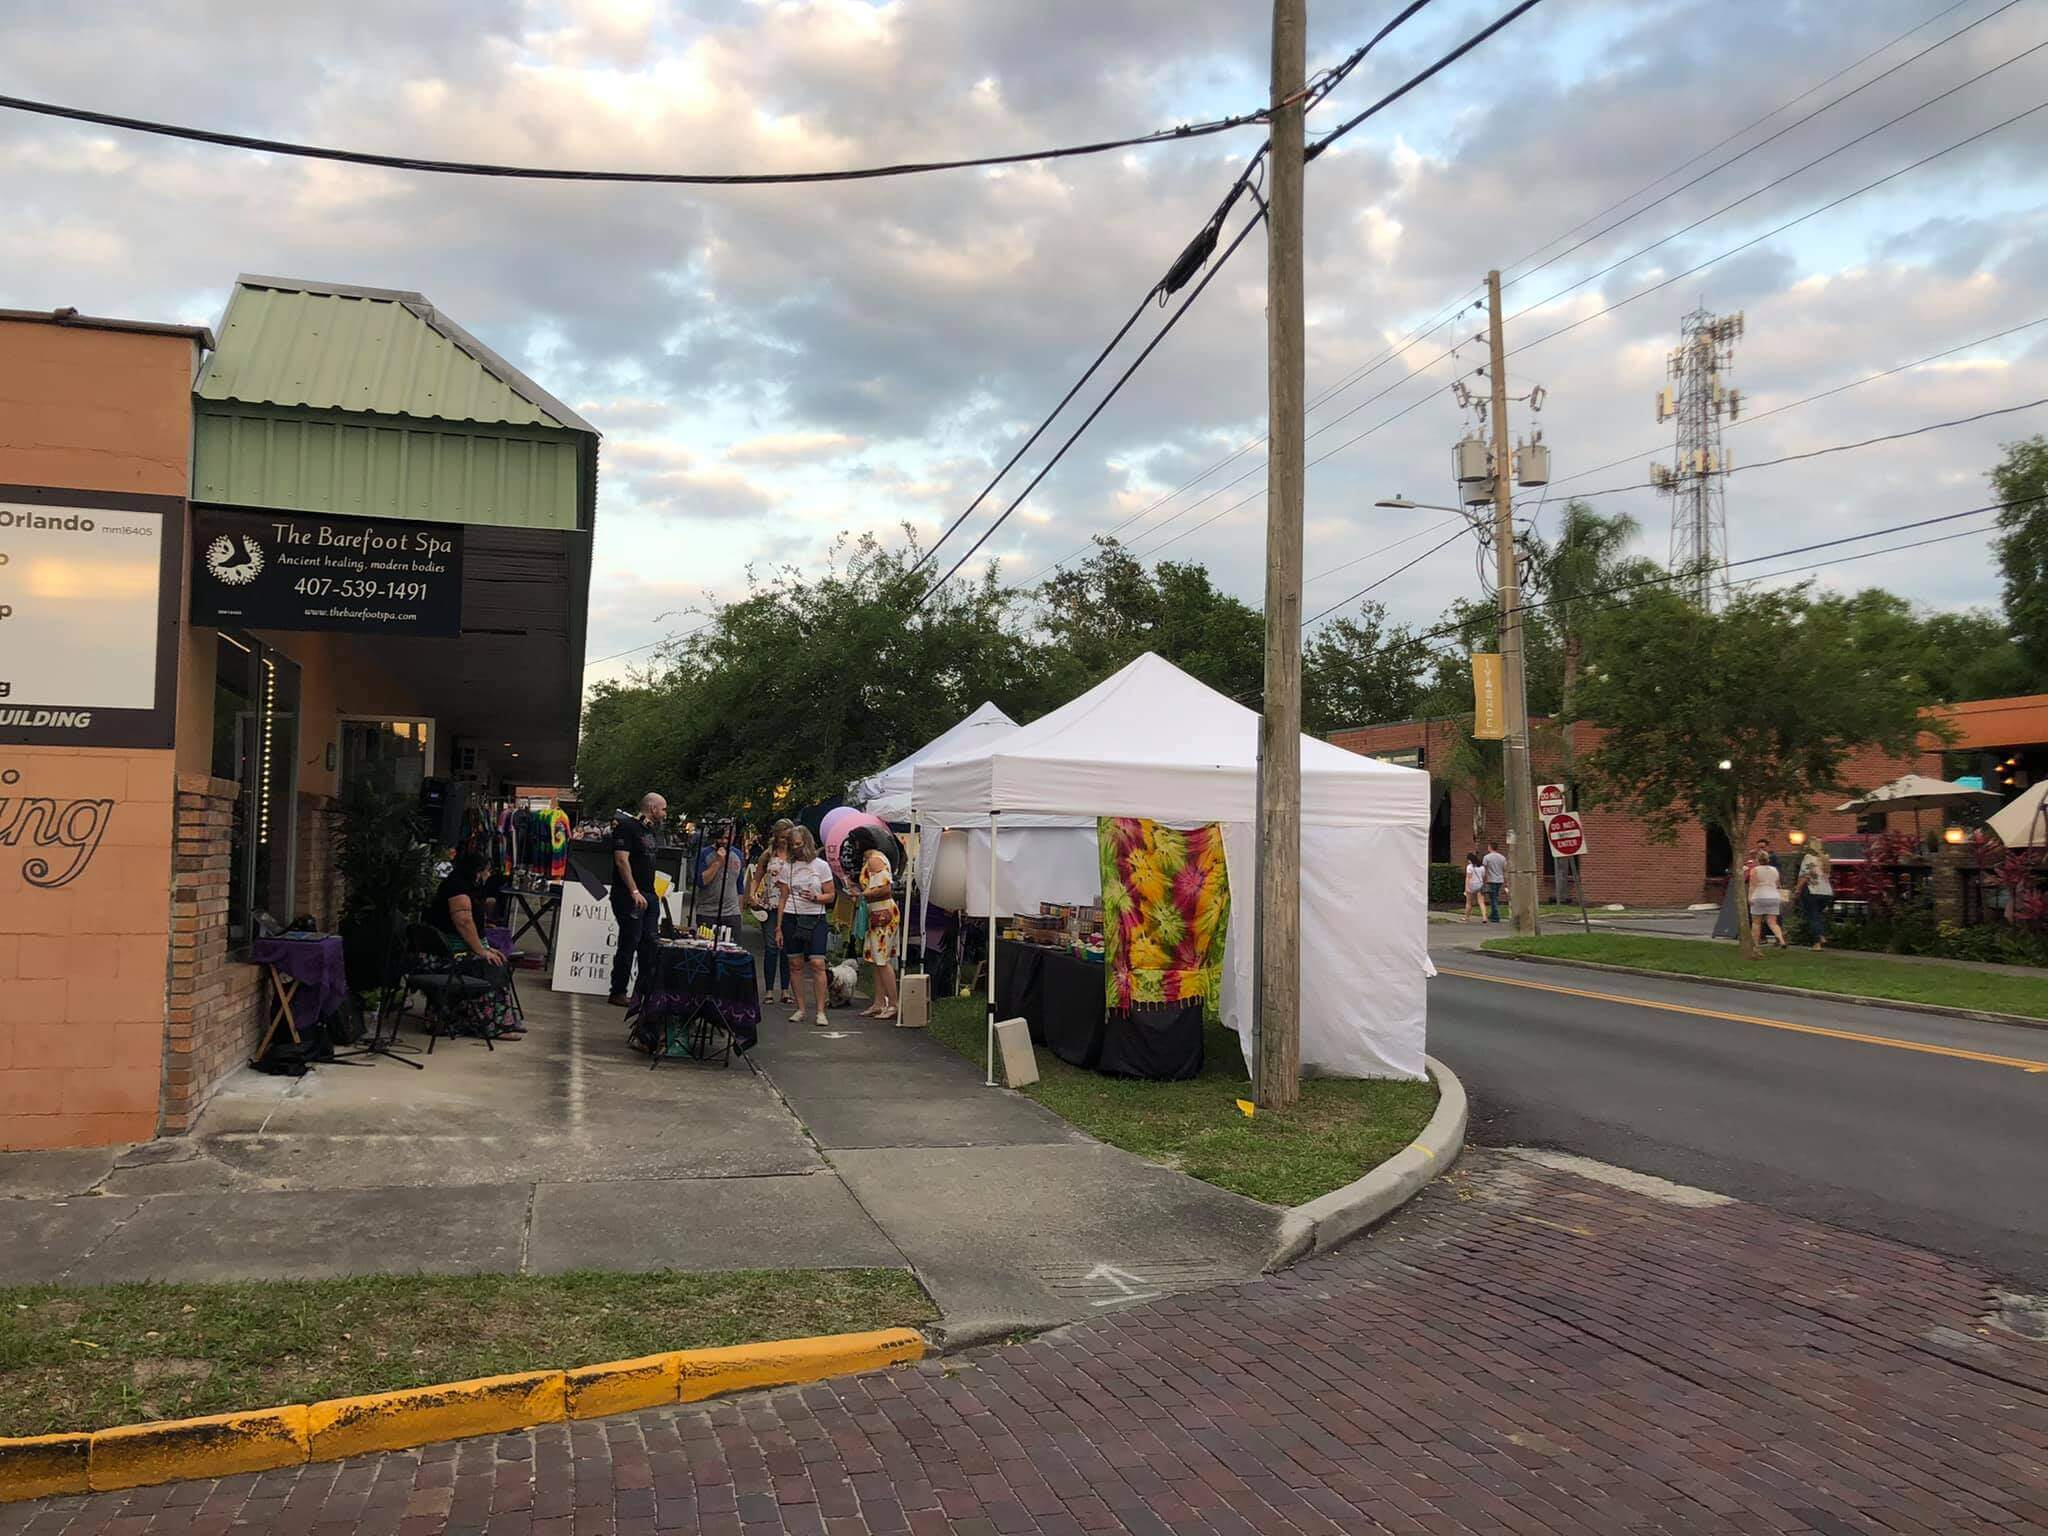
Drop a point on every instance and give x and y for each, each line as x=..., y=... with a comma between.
x=453, y=912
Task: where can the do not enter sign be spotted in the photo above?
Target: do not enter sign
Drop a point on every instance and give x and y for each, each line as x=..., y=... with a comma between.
x=1549, y=800
x=1567, y=835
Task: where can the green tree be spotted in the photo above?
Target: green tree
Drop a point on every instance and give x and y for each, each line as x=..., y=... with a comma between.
x=788, y=694
x=2021, y=481
x=1571, y=578
x=1951, y=656
x=1359, y=671
x=1713, y=716
x=1104, y=613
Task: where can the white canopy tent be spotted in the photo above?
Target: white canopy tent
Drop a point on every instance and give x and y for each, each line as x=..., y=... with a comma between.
x=1154, y=742
x=887, y=794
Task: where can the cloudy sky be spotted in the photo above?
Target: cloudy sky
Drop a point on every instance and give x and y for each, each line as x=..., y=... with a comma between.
x=771, y=366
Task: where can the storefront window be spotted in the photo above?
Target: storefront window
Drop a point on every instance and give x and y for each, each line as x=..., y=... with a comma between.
x=256, y=744
x=392, y=754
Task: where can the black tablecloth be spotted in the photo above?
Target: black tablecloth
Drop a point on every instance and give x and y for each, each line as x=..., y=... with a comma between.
x=688, y=977
x=1062, y=998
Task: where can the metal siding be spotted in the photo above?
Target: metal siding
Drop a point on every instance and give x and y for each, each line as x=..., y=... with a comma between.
x=375, y=469
x=337, y=352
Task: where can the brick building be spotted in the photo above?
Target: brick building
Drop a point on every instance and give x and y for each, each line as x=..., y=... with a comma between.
x=1623, y=862
x=347, y=541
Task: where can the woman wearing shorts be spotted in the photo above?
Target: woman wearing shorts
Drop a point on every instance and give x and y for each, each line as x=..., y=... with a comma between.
x=800, y=922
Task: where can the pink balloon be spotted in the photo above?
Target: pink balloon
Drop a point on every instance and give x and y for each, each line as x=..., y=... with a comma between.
x=835, y=823
x=837, y=834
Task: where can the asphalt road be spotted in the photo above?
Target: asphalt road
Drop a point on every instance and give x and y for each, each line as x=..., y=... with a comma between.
x=1924, y=1145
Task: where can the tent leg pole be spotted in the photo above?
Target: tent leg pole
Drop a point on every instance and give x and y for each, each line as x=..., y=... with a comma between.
x=993, y=817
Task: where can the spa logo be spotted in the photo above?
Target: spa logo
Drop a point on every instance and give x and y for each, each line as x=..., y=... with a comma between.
x=75, y=827
x=232, y=565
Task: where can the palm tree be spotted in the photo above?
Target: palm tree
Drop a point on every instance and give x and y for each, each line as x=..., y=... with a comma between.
x=1570, y=575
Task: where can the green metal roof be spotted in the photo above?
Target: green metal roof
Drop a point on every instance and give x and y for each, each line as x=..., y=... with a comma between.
x=377, y=351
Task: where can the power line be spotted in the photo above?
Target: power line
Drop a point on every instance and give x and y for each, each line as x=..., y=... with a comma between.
x=1174, y=319
x=1781, y=180
x=1817, y=453
x=1664, y=578
x=1385, y=101
x=1738, y=133
x=1413, y=81
x=1793, y=405
x=1826, y=207
x=1396, y=571
x=1790, y=127
x=1446, y=313
x=658, y=178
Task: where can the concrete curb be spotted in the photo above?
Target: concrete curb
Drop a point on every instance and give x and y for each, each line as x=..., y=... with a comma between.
x=175, y=1450
x=1734, y=984
x=1342, y=1214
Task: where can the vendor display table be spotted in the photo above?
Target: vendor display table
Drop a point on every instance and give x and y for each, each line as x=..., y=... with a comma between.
x=701, y=1002
x=539, y=912
x=1062, y=997
x=308, y=978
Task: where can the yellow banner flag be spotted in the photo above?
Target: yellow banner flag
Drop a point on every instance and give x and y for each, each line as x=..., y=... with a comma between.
x=1489, y=716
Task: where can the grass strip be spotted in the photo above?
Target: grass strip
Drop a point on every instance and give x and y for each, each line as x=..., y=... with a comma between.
x=1340, y=1129
x=1843, y=972
x=91, y=1357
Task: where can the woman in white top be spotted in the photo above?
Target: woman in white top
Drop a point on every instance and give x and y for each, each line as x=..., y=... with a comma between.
x=1475, y=887
x=1765, y=897
x=800, y=922
x=1816, y=891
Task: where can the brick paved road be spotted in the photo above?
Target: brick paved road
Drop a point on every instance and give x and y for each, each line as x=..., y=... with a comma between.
x=1523, y=1351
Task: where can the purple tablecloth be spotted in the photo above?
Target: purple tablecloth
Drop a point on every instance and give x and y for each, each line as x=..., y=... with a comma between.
x=499, y=938
x=315, y=962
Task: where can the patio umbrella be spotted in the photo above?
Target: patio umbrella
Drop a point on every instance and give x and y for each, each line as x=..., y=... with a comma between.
x=1916, y=793
x=2024, y=823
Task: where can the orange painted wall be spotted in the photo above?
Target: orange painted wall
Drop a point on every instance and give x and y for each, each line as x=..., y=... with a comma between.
x=83, y=963
x=95, y=410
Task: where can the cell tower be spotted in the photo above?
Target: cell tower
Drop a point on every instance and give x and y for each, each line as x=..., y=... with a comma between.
x=1699, y=400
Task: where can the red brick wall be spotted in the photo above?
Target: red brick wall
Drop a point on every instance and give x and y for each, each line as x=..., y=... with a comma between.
x=316, y=883
x=216, y=1005
x=1623, y=862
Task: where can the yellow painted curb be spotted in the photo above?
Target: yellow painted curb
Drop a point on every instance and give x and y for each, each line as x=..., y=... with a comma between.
x=177, y=1449
x=218, y=1446
x=708, y=1372
x=40, y=1465
x=454, y=1410
x=622, y=1386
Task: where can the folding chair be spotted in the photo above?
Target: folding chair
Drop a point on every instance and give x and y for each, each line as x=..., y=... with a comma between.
x=465, y=994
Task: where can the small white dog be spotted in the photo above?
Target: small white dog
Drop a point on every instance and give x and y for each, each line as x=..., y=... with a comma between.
x=841, y=981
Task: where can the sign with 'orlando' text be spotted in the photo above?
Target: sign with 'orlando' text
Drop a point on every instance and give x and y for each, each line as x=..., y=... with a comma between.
x=296, y=570
x=88, y=618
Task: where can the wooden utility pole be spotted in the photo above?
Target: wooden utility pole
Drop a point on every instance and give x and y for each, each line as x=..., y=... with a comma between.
x=1521, y=787
x=1279, y=925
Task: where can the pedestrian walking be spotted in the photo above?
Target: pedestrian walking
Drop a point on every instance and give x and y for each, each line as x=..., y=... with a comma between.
x=633, y=897
x=1495, y=865
x=1765, y=896
x=800, y=923
x=769, y=884
x=878, y=893
x=1816, y=891
x=1475, y=887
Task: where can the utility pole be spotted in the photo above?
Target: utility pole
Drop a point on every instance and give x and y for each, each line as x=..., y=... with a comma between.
x=1521, y=787
x=1278, y=1067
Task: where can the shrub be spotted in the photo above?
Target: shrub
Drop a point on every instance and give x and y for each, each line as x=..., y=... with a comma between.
x=1447, y=885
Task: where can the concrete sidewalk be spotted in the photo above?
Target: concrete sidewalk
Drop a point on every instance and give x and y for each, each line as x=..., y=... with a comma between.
x=860, y=1145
